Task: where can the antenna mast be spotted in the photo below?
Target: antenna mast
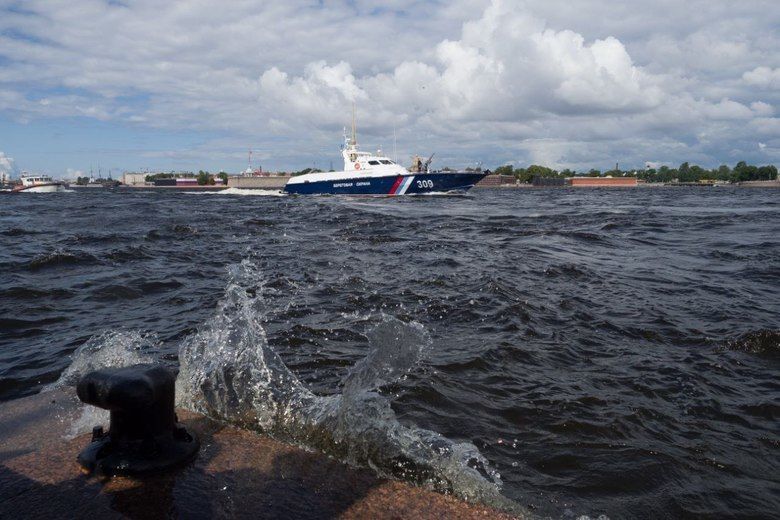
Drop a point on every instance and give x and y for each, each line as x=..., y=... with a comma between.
x=395, y=153
x=354, y=130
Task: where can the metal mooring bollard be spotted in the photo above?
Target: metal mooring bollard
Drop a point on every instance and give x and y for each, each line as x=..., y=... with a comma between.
x=144, y=436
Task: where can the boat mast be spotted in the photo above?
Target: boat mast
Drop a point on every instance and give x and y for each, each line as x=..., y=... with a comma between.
x=354, y=130
x=350, y=145
x=395, y=153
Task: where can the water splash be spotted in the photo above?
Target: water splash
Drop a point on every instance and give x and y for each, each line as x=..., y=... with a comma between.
x=106, y=350
x=110, y=349
x=230, y=373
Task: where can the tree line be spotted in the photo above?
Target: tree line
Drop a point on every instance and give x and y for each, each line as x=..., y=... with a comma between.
x=204, y=178
x=83, y=181
x=302, y=172
x=684, y=173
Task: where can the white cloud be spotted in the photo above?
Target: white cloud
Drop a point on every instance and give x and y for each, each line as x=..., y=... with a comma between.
x=727, y=109
x=762, y=109
x=766, y=126
x=507, y=66
x=321, y=94
x=763, y=77
x=7, y=165
x=493, y=81
x=73, y=173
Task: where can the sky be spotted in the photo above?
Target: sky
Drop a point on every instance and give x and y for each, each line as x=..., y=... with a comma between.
x=189, y=85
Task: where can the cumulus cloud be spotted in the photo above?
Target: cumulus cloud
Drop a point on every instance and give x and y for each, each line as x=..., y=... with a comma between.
x=507, y=66
x=7, y=165
x=320, y=95
x=490, y=81
x=766, y=126
x=763, y=77
x=73, y=173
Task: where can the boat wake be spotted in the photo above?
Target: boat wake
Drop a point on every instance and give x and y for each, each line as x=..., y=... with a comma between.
x=229, y=372
x=242, y=192
x=453, y=193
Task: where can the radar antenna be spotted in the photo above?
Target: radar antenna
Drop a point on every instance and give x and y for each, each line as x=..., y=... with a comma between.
x=427, y=163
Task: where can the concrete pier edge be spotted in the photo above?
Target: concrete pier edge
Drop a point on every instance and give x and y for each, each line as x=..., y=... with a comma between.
x=237, y=474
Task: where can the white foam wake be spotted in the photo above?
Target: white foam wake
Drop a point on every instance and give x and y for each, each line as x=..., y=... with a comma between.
x=241, y=192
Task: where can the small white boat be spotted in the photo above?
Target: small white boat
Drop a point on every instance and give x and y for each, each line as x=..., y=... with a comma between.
x=38, y=184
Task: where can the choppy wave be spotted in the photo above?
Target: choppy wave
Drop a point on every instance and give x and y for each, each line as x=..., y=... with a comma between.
x=129, y=254
x=31, y=293
x=763, y=343
x=18, y=232
x=184, y=229
x=9, y=324
x=583, y=324
x=60, y=257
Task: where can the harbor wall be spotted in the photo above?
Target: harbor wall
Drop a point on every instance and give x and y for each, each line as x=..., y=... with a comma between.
x=760, y=184
x=237, y=473
x=592, y=182
x=496, y=180
x=262, y=183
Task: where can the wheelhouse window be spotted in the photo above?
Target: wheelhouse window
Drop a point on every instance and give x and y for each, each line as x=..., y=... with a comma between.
x=385, y=161
x=375, y=163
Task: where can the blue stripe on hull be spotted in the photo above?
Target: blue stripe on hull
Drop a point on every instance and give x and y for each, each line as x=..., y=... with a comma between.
x=420, y=183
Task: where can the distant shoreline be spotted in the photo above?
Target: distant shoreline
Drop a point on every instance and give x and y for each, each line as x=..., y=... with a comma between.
x=744, y=184
x=280, y=185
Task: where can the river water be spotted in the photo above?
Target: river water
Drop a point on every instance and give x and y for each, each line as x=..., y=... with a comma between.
x=577, y=352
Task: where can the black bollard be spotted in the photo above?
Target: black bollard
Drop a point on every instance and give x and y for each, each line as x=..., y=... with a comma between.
x=144, y=436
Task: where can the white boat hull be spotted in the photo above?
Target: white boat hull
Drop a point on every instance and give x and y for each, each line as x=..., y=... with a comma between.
x=41, y=188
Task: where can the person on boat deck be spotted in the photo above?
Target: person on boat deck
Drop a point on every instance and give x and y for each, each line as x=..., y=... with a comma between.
x=417, y=164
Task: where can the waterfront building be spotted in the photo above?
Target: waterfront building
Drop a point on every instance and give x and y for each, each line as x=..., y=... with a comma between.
x=593, y=182
x=134, y=179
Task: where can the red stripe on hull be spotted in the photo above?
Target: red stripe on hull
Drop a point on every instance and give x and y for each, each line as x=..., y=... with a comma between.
x=397, y=183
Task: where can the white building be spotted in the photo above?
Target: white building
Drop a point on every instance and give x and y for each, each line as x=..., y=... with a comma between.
x=134, y=179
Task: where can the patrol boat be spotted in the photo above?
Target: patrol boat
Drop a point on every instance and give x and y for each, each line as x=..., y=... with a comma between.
x=374, y=174
x=38, y=184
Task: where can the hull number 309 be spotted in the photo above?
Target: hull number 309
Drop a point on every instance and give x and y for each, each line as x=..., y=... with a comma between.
x=425, y=184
